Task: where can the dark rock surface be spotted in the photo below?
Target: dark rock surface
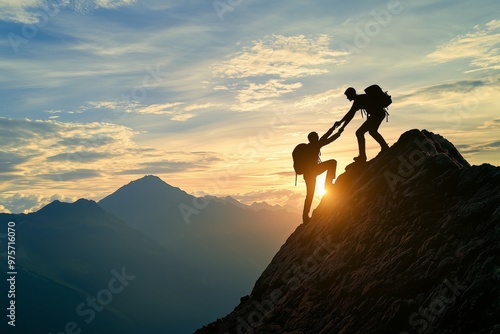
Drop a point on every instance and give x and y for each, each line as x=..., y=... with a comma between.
x=408, y=242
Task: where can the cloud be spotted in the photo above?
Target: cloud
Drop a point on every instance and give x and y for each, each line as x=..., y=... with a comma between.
x=480, y=46
x=25, y=203
x=43, y=148
x=270, y=89
x=182, y=163
x=9, y=162
x=31, y=11
x=160, y=109
x=112, y=3
x=200, y=106
x=323, y=100
x=20, y=11
x=470, y=149
x=271, y=66
x=220, y=87
x=254, y=95
x=172, y=109
x=282, y=57
x=70, y=151
x=78, y=174
x=83, y=156
x=491, y=124
x=59, y=156
x=3, y=209
x=463, y=94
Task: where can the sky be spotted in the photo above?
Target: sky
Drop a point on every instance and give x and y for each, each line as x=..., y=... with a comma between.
x=212, y=96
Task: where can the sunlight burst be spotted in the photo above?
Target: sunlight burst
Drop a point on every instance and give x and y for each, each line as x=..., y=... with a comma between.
x=320, y=185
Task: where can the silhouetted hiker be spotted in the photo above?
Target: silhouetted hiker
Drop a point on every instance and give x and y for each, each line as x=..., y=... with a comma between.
x=306, y=161
x=374, y=103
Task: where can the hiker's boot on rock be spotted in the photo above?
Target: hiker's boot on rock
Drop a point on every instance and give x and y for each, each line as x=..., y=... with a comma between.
x=361, y=158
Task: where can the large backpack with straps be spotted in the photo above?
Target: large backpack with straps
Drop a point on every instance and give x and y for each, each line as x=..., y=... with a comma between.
x=304, y=157
x=378, y=98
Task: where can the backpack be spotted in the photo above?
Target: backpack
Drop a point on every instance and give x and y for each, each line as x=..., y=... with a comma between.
x=378, y=98
x=303, y=158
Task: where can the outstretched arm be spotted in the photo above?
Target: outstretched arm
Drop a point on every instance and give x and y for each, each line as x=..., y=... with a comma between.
x=326, y=135
x=348, y=116
x=325, y=140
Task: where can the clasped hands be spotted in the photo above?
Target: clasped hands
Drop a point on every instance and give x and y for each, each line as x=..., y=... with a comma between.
x=336, y=125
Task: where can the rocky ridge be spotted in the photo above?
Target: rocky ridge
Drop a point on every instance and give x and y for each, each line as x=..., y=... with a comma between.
x=408, y=242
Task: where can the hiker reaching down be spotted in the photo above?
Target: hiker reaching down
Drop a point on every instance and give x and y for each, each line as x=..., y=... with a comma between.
x=307, y=162
x=376, y=112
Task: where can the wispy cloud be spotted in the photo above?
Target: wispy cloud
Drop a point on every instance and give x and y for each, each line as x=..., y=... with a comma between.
x=198, y=106
x=31, y=11
x=20, y=11
x=56, y=154
x=491, y=124
x=268, y=65
x=255, y=95
x=481, y=147
x=25, y=203
x=282, y=57
x=44, y=148
x=480, y=46
x=160, y=109
x=174, y=110
x=465, y=93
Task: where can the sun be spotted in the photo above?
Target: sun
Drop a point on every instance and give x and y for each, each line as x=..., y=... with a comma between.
x=320, y=190
x=320, y=186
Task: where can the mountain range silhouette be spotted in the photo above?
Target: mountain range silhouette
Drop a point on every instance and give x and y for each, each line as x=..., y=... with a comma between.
x=185, y=274
x=407, y=242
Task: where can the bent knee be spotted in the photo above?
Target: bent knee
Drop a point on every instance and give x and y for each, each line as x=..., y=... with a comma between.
x=360, y=133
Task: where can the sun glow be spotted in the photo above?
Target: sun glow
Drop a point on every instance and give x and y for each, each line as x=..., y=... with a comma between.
x=320, y=186
x=320, y=190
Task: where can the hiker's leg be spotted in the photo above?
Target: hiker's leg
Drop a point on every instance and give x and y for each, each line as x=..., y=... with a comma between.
x=310, y=187
x=374, y=124
x=360, y=134
x=331, y=167
x=331, y=172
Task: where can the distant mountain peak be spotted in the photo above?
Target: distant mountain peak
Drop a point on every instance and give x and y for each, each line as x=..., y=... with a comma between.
x=265, y=206
x=150, y=186
x=66, y=213
x=150, y=180
x=80, y=203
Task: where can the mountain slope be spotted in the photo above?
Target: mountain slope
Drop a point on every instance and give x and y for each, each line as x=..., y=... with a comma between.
x=407, y=243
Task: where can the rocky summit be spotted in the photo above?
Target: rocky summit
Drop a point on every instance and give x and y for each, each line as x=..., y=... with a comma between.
x=407, y=242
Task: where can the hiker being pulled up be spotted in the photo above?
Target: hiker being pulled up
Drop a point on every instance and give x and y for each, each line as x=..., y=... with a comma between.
x=374, y=102
x=307, y=162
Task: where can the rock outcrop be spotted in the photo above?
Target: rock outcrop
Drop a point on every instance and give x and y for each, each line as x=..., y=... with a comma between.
x=408, y=242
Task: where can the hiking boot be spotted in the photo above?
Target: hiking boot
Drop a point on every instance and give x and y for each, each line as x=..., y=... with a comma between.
x=361, y=158
x=306, y=219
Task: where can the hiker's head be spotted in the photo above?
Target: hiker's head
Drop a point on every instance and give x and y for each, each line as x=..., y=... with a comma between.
x=313, y=137
x=350, y=93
